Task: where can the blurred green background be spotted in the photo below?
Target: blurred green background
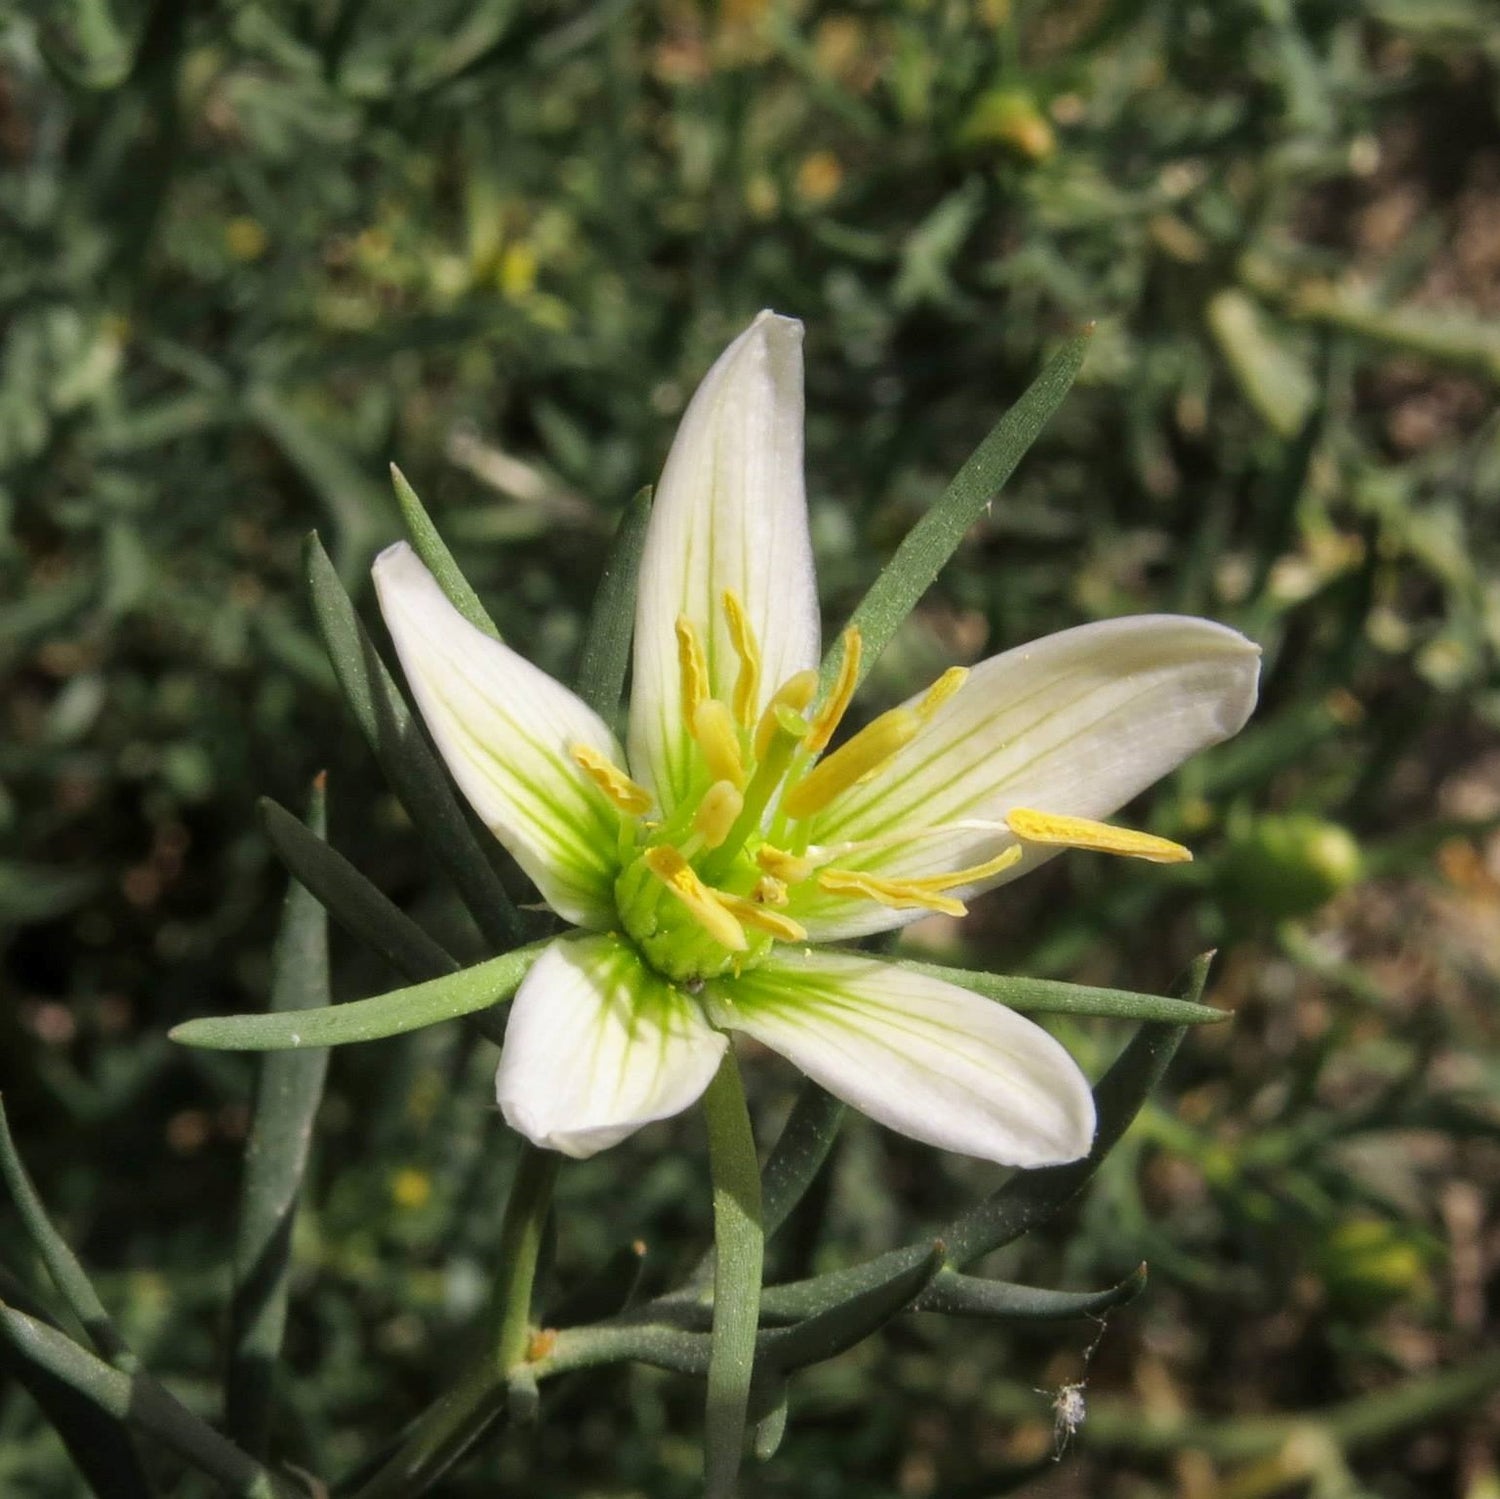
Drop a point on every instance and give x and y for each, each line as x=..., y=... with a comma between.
x=254, y=251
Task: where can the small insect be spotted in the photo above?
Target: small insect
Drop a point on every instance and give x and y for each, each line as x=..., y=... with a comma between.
x=1069, y=1408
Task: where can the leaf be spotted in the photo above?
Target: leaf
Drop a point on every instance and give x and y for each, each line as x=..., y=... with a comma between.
x=933, y=540
x=412, y=769
x=1050, y=997
x=606, y=651
x=433, y=551
x=1274, y=378
x=286, y=1101
x=958, y=1295
x=799, y=1153
x=401, y=1010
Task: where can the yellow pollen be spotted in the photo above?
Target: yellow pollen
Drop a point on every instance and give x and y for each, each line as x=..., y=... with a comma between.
x=713, y=727
x=942, y=689
x=792, y=696
x=791, y=869
x=769, y=891
x=1058, y=831
x=899, y=895
x=827, y=718
x=783, y=928
x=721, y=804
x=747, y=684
x=611, y=780
x=705, y=906
x=861, y=756
x=692, y=665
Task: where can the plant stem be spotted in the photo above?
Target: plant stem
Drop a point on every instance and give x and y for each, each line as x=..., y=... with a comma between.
x=441, y=1434
x=739, y=1244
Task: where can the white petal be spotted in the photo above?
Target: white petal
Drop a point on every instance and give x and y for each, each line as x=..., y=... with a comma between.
x=933, y=1061
x=1077, y=723
x=504, y=729
x=730, y=512
x=596, y=1046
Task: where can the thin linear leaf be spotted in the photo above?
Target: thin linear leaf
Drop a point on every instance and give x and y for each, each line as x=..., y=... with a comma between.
x=412, y=769
x=446, y=998
x=433, y=551
x=957, y=1295
x=832, y=1331
x=606, y=651
x=934, y=539
x=62, y=1264
x=358, y=906
x=98, y=1445
x=1051, y=997
x=799, y=1153
x=289, y=1091
x=141, y=1401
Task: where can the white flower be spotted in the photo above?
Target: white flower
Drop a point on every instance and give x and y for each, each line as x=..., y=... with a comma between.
x=704, y=866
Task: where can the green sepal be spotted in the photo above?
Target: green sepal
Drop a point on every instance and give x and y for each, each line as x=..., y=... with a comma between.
x=606, y=648
x=436, y=557
x=446, y=998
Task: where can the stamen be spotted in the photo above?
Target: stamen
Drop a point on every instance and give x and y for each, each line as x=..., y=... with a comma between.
x=693, y=667
x=783, y=928
x=626, y=794
x=899, y=895
x=973, y=874
x=827, y=718
x=716, y=813
x=769, y=891
x=713, y=728
x=747, y=684
x=791, y=869
x=792, y=696
x=705, y=906
x=867, y=752
x=1055, y=830
x=942, y=689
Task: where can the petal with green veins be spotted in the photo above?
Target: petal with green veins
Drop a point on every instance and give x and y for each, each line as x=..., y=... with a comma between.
x=597, y=1046
x=730, y=514
x=1075, y=724
x=505, y=730
x=931, y=1060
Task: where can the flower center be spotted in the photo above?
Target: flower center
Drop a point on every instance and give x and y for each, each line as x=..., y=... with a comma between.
x=702, y=891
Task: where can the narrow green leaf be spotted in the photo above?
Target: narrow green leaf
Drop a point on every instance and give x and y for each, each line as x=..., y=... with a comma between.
x=933, y=540
x=739, y=1250
x=414, y=773
x=98, y=1444
x=401, y=1010
x=433, y=551
x=799, y=1153
x=62, y=1264
x=140, y=1400
x=1050, y=997
x=639, y=1339
x=362, y=910
x=286, y=1102
x=606, y=652
x=771, y=1427
x=958, y=1295
x=840, y=1326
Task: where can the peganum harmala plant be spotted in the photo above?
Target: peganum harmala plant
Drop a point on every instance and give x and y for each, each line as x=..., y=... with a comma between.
x=714, y=873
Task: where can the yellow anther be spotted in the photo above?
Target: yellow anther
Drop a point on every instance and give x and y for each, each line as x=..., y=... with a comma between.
x=716, y=813
x=791, y=869
x=611, y=780
x=792, y=696
x=769, y=891
x=783, y=928
x=942, y=689
x=692, y=665
x=713, y=727
x=827, y=718
x=899, y=895
x=747, y=684
x=861, y=756
x=1099, y=837
x=705, y=906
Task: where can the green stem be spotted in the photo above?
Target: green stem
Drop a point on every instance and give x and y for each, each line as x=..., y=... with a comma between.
x=441, y=1434
x=739, y=1244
